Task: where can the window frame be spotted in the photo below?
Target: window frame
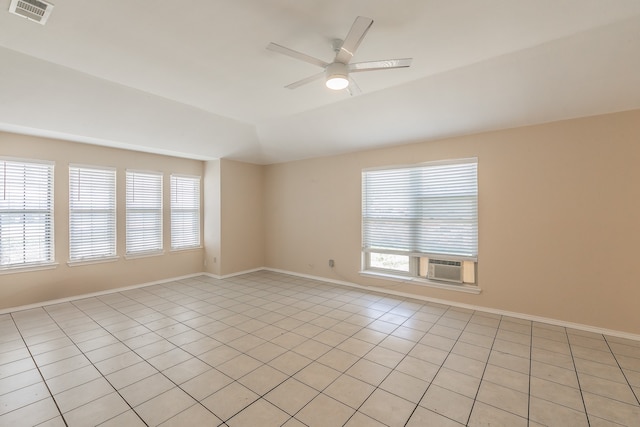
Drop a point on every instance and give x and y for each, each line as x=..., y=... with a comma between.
x=112, y=212
x=415, y=204
x=136, y=211
x=174, y=210
x=48, y=212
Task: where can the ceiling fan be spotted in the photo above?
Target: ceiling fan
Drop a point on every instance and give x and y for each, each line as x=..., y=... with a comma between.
x=337, y=73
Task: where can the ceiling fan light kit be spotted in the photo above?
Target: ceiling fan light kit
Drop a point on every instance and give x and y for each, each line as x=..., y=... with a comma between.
x=337, y=76
x=336, y=73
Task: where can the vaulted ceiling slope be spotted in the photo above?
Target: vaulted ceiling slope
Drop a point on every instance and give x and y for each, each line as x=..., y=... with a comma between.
x=195, y=79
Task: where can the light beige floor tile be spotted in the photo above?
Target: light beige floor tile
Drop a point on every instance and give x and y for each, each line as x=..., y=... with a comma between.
x=16, y=367
x=97, y=411
x=56, y=355
x=106, y=352
x=72, y=379
x=291, y=395
x=437, y=341
x=146, y=389
x=465, y=365
x=116, y=363
x=131, y=374
x=384, y=356
x=128, y=419
x=457, y=382
x=557, y=393
x=324, y=411
x=369, y=372
x=608, y=389
x=553, y=373
x=266, y=352
x=18, y=381
x=82, y=394
x=311, y=349
x=484, y=415
x=509, y=361
x=170, y=358
x=196, y=415
x=201, y=346
x=601, y=370
x=219, y=355
x=53, y=422
x=429, y=354
x=263, y=379
x=151, y=350
x=164, y=406
x=506, y=378
x=239, y=366
x=405, y=386
x=317, y=375
x=338, y=359
x=355, y=346
x=550, y=414
x=290, y=362
x=230, y=400
x=447, y=403
x=611, y=410
x=387, y=408
x=31, y=415
x=260, y=413
x=418, y=368
x=186, y=370
x=23, y=397
x=504, y=398
x=361, y=420
x=349, y=390
x=206, y=384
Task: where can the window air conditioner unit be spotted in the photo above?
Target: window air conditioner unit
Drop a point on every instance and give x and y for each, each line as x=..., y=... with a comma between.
x=450, y=271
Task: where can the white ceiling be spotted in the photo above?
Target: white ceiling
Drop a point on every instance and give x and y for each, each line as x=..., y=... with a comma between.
x=193, y=78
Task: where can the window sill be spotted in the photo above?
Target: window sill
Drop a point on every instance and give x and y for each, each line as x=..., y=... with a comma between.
x=28, y=268
x=469, y=289
x=190, y=248
x=143, y=255
x=79, y=263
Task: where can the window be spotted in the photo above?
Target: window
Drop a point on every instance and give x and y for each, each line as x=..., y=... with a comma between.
x=144, y=213
x=185, y=212
x=26, y=214
x=92, y=213
x=413, y=213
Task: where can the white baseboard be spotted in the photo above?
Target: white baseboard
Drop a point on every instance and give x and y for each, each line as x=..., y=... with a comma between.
x=95, y=294
x=556, y=322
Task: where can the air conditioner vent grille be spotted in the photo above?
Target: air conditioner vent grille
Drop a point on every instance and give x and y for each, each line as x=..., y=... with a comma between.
x=34, y=10
x=440, y=269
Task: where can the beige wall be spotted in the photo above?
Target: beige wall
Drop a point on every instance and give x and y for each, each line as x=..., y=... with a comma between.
x=22, y=288
x=559, y=218
x=211, y=191
x=242, y=217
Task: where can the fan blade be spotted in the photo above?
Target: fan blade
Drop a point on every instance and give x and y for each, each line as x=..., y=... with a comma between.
x=357, y=32
x=380, y=65
x=304, y=81
x=353, y=88
x=296, y=55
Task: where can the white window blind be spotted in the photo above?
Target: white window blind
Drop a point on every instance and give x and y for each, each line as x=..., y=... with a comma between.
x=144, y=212
x=92, y=213
x=424, y=210
x=26, y=213
x=185, y=211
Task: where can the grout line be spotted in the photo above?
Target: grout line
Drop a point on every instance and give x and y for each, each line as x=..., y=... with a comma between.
x=39, y=372
x=573, y=360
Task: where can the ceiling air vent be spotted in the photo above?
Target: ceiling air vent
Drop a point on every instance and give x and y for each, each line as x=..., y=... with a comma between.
x=34, y=10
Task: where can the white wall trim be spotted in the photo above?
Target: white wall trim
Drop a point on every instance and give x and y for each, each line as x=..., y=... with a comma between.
x=239, y=273
x=95, y=294
x=556, y=322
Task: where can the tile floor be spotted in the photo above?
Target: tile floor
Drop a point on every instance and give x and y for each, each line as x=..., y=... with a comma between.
x=267, y=349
